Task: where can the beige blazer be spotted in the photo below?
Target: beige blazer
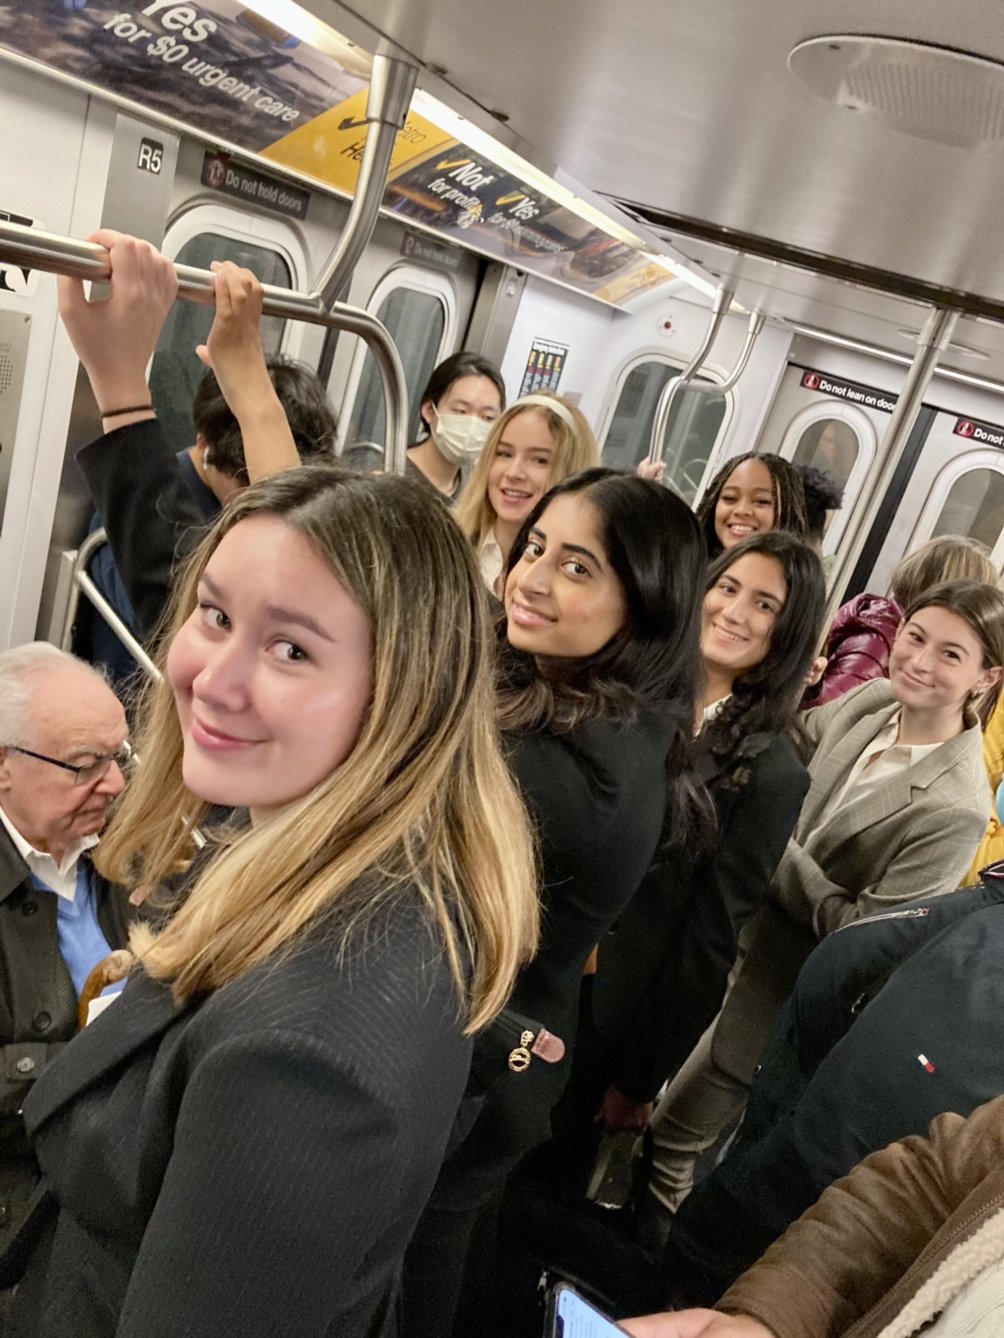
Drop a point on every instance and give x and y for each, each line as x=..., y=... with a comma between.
x=913, y=836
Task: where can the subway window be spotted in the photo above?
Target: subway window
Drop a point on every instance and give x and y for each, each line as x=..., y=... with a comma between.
x=974, y=507
x=694, y=424
x=830, y=444
x=176, y=370
x=416, y=320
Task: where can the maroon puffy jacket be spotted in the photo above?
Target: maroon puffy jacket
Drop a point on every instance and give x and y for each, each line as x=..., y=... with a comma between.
x=857, y=648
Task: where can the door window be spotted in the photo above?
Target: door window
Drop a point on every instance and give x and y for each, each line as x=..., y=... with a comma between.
x=974, y=507
x=830, y=444
x=176, y=370
x=695, y=423
x=416, y=320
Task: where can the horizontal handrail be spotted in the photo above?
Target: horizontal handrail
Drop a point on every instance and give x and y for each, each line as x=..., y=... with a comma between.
x=53, y=254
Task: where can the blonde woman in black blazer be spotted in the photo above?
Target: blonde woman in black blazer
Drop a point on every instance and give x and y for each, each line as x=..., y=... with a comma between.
x=243, y=1142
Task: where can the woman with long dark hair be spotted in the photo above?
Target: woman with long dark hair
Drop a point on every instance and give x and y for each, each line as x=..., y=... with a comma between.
x=598, y=677
x=661, y=973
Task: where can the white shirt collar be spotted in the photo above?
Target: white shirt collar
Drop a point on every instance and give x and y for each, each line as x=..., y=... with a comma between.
x=62, y=878
x=490, y=560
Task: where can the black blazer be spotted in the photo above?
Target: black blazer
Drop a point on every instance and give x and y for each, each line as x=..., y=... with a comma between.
x=151, y=518
x=254, y=1163
x=38, y=1011
x=662, y=970
x=598, y=797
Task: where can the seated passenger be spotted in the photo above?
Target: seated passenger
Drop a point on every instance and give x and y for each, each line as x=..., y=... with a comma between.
x=539, y=441
x=62, y=733
x=891, y=1023
x=858, y=645
x=242, y=1144
x=597, y=690
x=464, y=397
x=661, y=972
x=751, y=493
x=897, y=804
x=909, y=1242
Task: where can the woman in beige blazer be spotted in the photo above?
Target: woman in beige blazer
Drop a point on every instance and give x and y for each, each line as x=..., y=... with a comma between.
x=897, y=804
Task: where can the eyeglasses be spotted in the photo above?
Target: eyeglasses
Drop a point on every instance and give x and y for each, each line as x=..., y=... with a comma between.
x=90, y=771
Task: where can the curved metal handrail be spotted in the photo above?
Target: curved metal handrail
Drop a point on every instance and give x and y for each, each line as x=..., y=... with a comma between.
x=54, y=254
x=81, y=583
x=685, y=381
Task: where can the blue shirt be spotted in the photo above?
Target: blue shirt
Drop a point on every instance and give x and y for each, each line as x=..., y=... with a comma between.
x=82, y=943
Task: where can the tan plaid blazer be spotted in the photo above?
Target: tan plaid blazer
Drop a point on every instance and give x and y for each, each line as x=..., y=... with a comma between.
x=913, y=836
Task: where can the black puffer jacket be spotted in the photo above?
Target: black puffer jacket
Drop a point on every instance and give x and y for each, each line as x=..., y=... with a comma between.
x=894, y=1020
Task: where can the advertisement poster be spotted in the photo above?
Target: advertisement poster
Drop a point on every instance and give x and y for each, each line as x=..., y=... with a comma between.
x=216, y=65
x=233, y=76
x=544, y=365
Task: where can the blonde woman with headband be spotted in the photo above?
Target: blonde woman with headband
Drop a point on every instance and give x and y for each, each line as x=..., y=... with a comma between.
x=538, y=442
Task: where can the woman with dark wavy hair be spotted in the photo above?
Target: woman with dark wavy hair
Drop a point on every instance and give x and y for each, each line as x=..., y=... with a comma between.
x=661, y=974
x=598, y=677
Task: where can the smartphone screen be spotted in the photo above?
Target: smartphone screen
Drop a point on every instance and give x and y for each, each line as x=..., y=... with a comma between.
x=572, y=1317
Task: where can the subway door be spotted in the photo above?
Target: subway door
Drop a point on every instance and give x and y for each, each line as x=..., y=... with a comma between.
x=957, y=487
x=271, y=247
x=834, y=424
x=424, y=294
x=56, y=147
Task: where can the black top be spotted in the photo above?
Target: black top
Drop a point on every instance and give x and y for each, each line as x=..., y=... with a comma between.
x=598, y=796
x=38, y=1008
x=663, y=969
x=895, y=1019
x=145, y=505
x=253, y=1163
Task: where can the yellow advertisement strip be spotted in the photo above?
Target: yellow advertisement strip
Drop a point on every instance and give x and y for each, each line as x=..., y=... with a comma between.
x=324, y=150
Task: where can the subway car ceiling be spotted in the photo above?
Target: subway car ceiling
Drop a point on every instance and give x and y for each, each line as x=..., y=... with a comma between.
x=851, y=209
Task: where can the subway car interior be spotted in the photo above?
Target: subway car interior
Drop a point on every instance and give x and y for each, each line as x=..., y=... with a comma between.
x=715, y=228
x=838, y=184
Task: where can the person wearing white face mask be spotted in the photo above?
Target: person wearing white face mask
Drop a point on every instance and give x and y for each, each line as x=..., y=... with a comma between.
x=464, y=396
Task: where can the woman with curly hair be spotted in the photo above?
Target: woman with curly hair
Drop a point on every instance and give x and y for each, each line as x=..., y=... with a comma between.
x=749, y=494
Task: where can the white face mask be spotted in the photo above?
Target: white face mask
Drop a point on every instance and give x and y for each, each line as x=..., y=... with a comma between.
x=461, y=437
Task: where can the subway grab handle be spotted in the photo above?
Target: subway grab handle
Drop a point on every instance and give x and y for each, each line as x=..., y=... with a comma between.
x=30, y=248
x=719, y=310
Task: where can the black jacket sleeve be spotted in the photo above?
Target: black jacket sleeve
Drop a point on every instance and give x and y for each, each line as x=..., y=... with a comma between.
x=147, y=510
x=687, y=991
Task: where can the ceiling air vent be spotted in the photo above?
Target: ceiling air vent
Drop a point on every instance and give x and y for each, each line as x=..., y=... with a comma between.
x=931, y=92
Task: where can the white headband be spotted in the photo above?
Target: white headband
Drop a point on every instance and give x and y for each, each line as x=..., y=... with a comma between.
x=545, y=402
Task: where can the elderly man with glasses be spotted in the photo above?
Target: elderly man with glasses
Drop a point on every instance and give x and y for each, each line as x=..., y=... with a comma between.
x=62, y=747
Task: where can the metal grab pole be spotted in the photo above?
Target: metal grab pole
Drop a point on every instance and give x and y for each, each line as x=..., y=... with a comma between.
x=387, y=103
x=45, y=251
x=931, y=343
x=82, y=583
x=722, y=302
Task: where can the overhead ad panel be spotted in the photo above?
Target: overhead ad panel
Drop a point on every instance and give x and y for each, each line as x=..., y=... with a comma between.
x=237, y=78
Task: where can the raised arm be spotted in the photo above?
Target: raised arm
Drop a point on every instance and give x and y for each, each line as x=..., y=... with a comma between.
x=115, y=337
x=131, y=472
x=234, y=352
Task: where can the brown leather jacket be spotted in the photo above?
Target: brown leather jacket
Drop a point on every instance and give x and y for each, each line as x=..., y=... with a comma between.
x=850, y=1264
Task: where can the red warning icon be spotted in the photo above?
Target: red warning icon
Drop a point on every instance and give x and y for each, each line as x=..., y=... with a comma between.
x=811, y=380
x=216, y=172
x=965, y=428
